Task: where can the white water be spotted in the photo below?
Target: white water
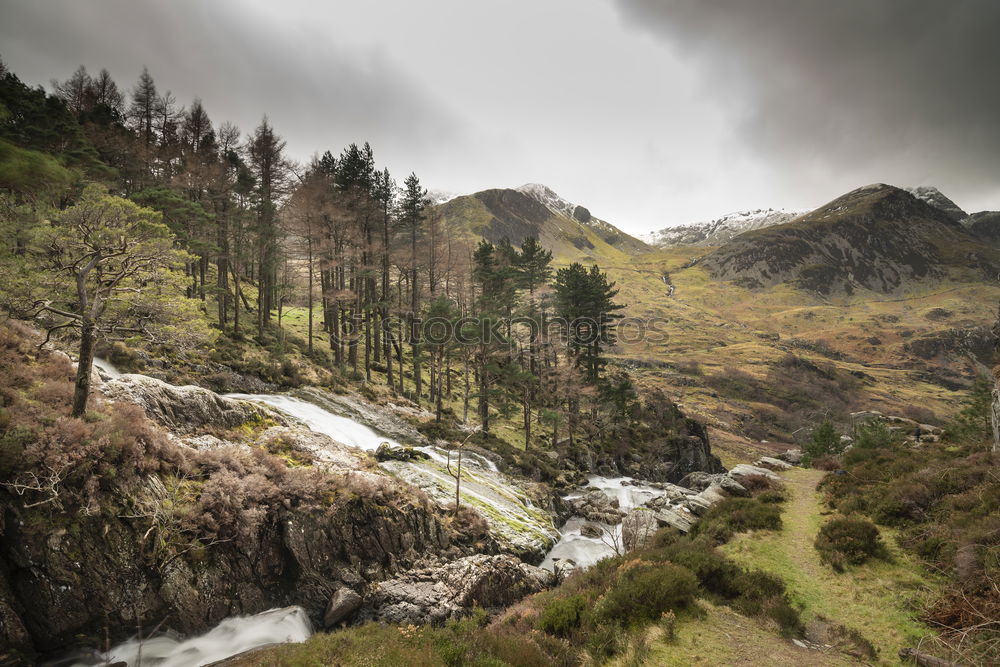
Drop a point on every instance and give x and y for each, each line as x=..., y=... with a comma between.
x=586, y=551
x=629, y=494
x=107, y=368
x=341, y=429
x=232, y=636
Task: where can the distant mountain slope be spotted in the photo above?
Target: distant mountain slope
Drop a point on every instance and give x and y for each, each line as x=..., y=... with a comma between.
x=569, y=230
x=878, y=237
x=984, y=225
x=935, y=198
x=719, y=231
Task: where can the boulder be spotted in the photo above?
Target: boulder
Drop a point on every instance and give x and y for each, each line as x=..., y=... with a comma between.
x=436, y=593
x=702, y=502
x=772, y=463
x=674, y=518
x=638, y=527
x=701, y=481
x=343, y=603
x=793, y=456
x=387, y=452
x=185, y=409
x=594, y=505
x=591, y=529
x=746, y=470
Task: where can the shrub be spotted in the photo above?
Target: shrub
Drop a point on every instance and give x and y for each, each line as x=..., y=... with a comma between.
x=849, y=541
x=643, y=591
x=736, y=515
x=562, y=615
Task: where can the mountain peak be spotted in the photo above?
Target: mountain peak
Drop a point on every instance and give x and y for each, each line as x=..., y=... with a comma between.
x=549, y=198
x=935, y=198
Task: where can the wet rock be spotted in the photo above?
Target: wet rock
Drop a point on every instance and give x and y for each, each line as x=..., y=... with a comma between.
x=594, y=505
x=185, y=409
x=436, y=593
x=591, y=529
x=343, y=603
x=313, y=447
x=387, y=452
x=638, y=527
x=678, y=454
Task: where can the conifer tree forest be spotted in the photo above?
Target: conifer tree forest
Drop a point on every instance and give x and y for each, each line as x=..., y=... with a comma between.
x=130, y=216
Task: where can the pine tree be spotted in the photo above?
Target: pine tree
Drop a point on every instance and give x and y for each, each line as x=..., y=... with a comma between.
x=585, y=301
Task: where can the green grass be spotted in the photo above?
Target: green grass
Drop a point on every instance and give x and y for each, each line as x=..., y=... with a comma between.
x=880, y=599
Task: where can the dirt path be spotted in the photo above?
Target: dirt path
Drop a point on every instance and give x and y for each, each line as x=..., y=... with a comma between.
x=875, y=599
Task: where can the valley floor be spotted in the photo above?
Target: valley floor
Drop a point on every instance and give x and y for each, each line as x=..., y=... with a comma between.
x=878, y=599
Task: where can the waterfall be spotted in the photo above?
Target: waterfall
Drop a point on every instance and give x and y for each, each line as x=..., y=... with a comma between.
x=232, y=636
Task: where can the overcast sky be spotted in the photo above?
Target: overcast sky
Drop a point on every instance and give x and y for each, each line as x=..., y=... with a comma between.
x=651, y=113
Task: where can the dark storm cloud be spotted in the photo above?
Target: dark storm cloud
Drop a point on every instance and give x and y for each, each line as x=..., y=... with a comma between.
x=906, y=88
x=242, y=59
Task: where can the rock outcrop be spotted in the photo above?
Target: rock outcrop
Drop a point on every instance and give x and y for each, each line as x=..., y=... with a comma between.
x=81, y=578
x=436, y=593
x=670, y=458
x=596, y=506
x=185, y=409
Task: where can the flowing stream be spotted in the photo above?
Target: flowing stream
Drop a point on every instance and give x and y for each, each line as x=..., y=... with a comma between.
x=510, y=513
x=585, y=551
x=232, y=636
x=341, y=429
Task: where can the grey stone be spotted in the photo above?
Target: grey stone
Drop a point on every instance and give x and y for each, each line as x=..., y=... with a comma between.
x=343, y=603
x=746, y=470
x=772, y=463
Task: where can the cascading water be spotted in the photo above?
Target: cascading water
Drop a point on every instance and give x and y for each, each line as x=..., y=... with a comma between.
x=341, y=429
x=232, y=636
x=106, y=367
x=585, y=551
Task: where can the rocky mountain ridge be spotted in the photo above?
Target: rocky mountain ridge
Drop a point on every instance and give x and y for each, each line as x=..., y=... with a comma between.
x=535, y=210
x=879, y=238
x=721, y=230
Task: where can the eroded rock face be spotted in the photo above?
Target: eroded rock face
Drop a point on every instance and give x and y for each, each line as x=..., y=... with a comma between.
x=675, y=456
x=184, y=409
x=436, y=593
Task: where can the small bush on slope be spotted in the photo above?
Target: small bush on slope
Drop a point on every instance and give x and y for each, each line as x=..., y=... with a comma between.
x=945, y=499
x=849, y=541
x=736, y=515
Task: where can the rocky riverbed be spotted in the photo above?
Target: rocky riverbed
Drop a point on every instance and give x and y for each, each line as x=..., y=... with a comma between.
x=408, y=561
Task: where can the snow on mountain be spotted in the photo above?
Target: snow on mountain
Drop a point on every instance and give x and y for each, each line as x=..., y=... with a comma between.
x=440, y=196
x=718, y=231
x=581, y=214
x=552, y=201
x=935, y=198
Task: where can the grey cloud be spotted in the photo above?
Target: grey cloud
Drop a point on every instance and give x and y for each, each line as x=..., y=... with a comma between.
x=904, y=89
x=241, y=62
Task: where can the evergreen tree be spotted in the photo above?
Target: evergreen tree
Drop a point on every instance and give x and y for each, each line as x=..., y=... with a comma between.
x=585, y=301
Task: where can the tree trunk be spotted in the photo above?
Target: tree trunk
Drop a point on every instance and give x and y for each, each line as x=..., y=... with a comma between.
x=81, y=392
